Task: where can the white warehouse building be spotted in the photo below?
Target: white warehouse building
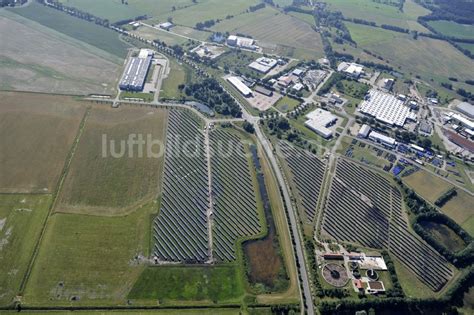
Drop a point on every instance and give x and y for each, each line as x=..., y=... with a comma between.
x=382, y=139
x=319, y=120
x=239, y=85
x=386, y=108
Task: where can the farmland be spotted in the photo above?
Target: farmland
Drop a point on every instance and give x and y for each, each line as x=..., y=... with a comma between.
x=89, y=259
x=87, y=32
x=108, y=183
x=460, y=210
x=181, y=237
x=381, y=13
x=36, y=58
x=419, y=55
x=21, y=220
x=213, y=284
x=453, y=29
x=360, y=195
x=308, y=174
x=428, y=186
x=276, y=31
x=236, y=210
x=31, y=161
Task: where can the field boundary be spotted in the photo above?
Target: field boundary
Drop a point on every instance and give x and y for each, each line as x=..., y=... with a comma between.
x=55, y=195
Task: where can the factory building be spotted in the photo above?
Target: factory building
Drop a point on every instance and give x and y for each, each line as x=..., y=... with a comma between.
x=242, y=42
x=363, y=131
x=351, y=69
x=466, y=109
x=263, y=64
x=136, y=71
x=386, y=108
x=319, y=120
x=382, y=139
x=240, y=86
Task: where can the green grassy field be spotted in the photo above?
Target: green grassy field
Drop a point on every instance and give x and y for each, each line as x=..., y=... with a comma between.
x=308, y=18
x=453, y=29
x=167, y=37
x=182, y=311
x=87, y=32
x=206, y=10
x=90, y=259
x=217, y=284
x=109, y=185
x=381, y=13
x=428, y=186
x=21, y=220
x=444, y=235
x=109, y=9
x=41, y=131
x=286, y=104
x=469, y=47
x=179, y=74
x=147, y=97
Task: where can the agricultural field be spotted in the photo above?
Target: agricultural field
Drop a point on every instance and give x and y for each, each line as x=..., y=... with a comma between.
x=41, y=131
x=365, y=208
x=170, y=285
x=169, y=38
x=308, y=174
x=206, y=10
x=21, y=220
x=469, y=47
x=460, y=210
x=179, y=237
x=112, y=10
x=382, y=13
x=418, y=56
x=107, y=178
x=453, y=29
x=90, y=33
x=89, y=260
x=428, y=186
x=277, y=32
x=236, y=209
x=38, y=59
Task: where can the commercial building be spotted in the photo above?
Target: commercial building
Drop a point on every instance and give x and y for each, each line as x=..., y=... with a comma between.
x=319, y=120
x=363, y=131
x=298, y=87
x=136, y=71
x=386, y=108
x=239, y=85
x=352, y=69
x=263, y=64
x=242, y=42
x=382, y=139
x=466, y=108
x=285, y=81
x=298, y=72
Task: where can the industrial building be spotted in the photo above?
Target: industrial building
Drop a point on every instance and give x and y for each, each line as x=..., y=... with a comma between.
x=382, y=139
x=242, y=42
x=136, y=71
x=260, y=89
x=386, y=108
x=263, y=64
x=319, y=120
x=363, y=131
x=239, y=85
x=352, y=69
x=466, y=108
x=166, y=26
x=462, y=121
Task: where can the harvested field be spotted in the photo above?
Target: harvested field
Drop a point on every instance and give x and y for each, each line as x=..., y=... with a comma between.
x=41, y=131
x=364, y=208
x=21, y=220
x=87, y=32
x=89, y=260
x=428, y=186
x=36, y=58
x=101, y=180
